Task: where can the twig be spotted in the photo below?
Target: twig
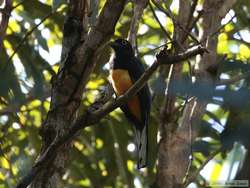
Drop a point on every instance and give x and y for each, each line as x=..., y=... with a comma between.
x=169, y=14
x=191, y=20
x=195, y=20
x=190, y=17
x=156, y=48
x=192, y=177
x=27, y=35
x=91, y=117
x=161, y=26
x=218, y=30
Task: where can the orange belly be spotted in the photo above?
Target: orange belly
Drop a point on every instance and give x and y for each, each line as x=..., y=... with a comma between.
x=121, y=82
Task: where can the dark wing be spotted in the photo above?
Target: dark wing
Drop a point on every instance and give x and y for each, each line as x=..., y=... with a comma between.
x=135, y=72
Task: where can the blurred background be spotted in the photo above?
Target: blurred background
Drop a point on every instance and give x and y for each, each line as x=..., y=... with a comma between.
x=104, y=155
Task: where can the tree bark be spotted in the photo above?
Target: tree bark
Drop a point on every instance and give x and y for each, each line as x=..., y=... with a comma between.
x=173, y=148
x=77, y=62
x=175, y=143
x=139, y=6
x=79, y=53
x=4, y=18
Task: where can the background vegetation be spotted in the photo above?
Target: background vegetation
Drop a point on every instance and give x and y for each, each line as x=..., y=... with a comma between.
x=104, y=155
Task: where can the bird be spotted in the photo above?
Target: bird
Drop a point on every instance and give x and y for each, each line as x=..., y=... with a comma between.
x=125, y=70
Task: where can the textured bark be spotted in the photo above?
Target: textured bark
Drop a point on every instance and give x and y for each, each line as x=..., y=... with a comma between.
x=175, y=142
x=139, y=6
x=62, y=110
x=173, y=146
x=4, y=18
x=77, y=62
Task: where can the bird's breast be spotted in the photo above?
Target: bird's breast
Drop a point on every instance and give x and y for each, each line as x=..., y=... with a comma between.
x=121, y=82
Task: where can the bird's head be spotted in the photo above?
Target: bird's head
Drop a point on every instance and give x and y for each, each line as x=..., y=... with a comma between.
x=122, y=47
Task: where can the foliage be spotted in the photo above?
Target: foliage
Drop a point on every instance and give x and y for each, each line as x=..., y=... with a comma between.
x=103, y=155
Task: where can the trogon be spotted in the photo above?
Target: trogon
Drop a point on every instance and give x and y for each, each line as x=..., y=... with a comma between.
x=125, y=69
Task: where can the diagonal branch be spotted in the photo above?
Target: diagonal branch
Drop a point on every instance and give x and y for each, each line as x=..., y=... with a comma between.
x=161, y=26
x=28, y=34
x=65, y=97
x=194, y=175
x=169, y=14
x=191, y=13
x=89, y=118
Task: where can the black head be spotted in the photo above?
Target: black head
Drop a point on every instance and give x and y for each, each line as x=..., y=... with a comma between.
x=122, y=47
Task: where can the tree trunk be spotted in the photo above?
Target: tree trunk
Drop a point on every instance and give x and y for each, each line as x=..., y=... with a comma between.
x=175, y=143
x=172, y=163
x=77, y=62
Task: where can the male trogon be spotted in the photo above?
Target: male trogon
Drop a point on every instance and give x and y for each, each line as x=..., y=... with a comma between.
x=125, y=69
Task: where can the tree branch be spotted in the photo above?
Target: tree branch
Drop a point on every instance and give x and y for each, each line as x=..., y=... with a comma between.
x=27, y=35
x=139, y=6
x=192, y=177
x=4, y=19
x=191, y=13
x=83, y=64
x=169, y=14
x=161, y=26
x=91, y=117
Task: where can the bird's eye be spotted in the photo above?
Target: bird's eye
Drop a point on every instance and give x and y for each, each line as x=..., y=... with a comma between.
x=124, y=42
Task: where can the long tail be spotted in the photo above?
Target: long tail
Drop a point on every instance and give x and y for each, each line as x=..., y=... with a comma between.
x=142, y=146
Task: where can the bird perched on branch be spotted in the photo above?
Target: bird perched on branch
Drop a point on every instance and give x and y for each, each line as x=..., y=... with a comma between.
x=125, y=70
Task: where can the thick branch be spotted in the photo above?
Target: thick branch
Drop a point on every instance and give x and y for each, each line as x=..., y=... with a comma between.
x=139, y=6
x=162, y=58
x=92, y=117
x=67, y=90
x=173, y=59
x=4, y=19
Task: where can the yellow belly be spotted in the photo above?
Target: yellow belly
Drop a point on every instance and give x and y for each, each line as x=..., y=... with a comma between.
x=121, y=82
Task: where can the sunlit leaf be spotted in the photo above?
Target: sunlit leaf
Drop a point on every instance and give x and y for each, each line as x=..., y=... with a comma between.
x=4, y=163
x=57, y=3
